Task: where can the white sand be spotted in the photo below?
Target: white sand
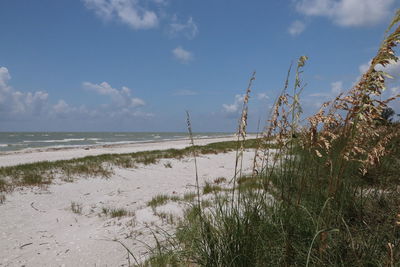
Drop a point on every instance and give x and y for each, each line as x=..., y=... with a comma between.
x=38, y=227
x=52, y=154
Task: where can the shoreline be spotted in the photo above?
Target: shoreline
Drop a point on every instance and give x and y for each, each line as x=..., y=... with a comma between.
x=32, y=155
x=102, y=145
x=67, y=222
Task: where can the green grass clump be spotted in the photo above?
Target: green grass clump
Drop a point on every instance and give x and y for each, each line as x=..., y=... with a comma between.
x=174, y=198
x=189, y=196
x=98, y=166
x=76, y=207
x=210, y=188
x=3, y=185
x=168, y=165
x=328, y=195
x=158, y=200
x=352, y=229
x=220, y=180
x=33, y=179
x=162, y=199
x=116, y=212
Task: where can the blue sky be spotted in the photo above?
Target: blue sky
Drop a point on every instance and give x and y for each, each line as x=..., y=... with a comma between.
x=137, y=65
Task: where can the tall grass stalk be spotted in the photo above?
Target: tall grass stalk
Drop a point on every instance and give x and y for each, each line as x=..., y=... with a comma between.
x=325, y=195
x=189, y=126
x=241, y=135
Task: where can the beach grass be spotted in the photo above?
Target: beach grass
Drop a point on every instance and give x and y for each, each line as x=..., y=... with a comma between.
x=158, y=200
x=211, y=188
x=116, y=212
x=162, y=199
x=327, y=195
x=76, y=207
x=42, y=173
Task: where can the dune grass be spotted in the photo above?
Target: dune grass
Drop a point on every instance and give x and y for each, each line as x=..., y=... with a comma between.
x=42, y=173
x=211, y=188
x=116, y=212
x=158, y=200
x=328, y=195
x=162, y=199
x=76, y=207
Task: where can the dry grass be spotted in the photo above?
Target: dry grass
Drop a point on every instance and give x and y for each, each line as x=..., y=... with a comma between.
x=116, y=212
x=42, y=173
x=326, y=196
x=76, y=207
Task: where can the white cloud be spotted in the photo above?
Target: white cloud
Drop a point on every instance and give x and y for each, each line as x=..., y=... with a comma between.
x=393, y=69
x=348, y=12
x=364, y=67
x=182, y=55
x=296, y=28
x=320, y=95
x=337, y=87
x=35, y=106
x=61, y=107
x=126, y=11
x=63, y=110
x=4, y=77
x=17, y=103
x=236, y=106
x=121, y=98
x=394, y=91
x=188, y=29
x=262, y=96
x=160, y=2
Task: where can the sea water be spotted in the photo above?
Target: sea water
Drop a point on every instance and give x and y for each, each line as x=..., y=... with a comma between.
x=11, y=141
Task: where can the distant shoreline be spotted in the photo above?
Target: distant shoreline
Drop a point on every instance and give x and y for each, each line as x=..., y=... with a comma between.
x=40, y=141
x=105, y=145
x=12, y=158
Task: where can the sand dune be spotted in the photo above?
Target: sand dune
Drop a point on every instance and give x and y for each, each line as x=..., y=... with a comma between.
x=52, y=154
x=39, y=228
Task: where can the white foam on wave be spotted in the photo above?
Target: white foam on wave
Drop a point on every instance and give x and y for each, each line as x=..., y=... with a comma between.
x=55, y=141
x=117, y=142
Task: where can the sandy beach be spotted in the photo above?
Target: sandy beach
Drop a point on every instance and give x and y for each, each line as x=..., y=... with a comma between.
x=39, y=228
x=52, y=154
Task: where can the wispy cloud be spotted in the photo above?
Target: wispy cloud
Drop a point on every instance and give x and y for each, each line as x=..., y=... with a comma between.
x=336, y=88
x=18, y=105
x=235, y=106
x=347, y=12
x=129, y=12
x=393, y=69
x=120, y=98
x=188, y=29
x=262, y=96
x=182, y=55
x=296, y=28
x=393, y=85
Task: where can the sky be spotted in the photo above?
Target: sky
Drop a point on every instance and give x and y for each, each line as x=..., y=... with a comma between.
x=138, y=65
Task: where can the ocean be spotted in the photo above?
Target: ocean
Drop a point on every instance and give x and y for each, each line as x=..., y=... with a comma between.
x=12, y=141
